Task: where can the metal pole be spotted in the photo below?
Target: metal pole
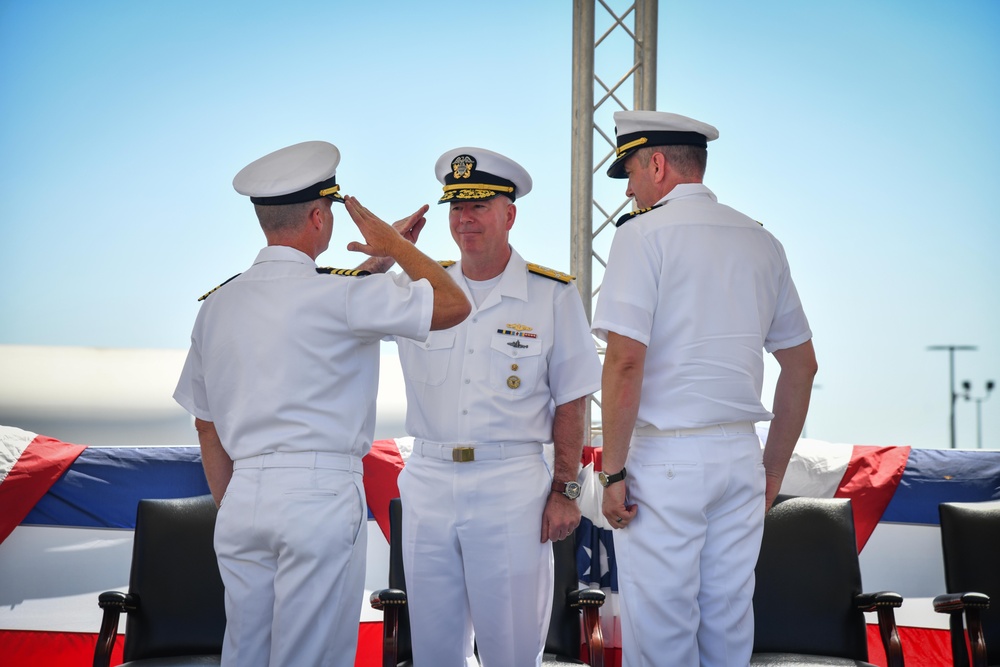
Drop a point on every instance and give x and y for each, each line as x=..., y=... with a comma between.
x=581, y=208
x=951, y=375
x=979, y=423
x=954, y=394
x=645, y=54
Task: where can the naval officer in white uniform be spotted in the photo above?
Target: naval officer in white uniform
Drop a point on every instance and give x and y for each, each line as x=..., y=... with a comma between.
x=480, y=505
x=694, y=293
x=281, y=378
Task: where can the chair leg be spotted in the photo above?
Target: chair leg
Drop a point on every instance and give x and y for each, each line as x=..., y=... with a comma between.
x=977, y=643
x=390, y=636
x=594, y=636
x=890, y=637
x=959, y=655
x=106, y=638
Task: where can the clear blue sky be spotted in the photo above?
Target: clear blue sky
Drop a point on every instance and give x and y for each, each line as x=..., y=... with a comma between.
x=863, y=134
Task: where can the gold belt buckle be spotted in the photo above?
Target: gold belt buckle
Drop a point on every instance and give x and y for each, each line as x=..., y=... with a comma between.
x=463, y=454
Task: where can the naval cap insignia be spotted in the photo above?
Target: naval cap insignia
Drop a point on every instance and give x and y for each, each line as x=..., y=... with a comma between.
x=462, y=166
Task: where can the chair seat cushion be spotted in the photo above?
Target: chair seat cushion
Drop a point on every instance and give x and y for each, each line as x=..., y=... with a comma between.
x=551, y=660
x=802, y=660
x=178, y=661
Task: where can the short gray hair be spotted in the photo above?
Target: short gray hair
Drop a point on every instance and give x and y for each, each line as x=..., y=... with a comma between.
x=689, y=161
x=284, y=217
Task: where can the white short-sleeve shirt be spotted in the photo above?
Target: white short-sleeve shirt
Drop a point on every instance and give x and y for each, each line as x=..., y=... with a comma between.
x=498, y=376
x=283, y=358
x=706, y=289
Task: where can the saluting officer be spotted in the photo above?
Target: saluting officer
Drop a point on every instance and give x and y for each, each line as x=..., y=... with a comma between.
x=281, y=379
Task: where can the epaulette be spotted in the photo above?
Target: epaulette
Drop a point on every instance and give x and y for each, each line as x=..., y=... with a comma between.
x=445, y=263
x=342, y=272
x=209, y=292
x=632, y=214
x=550, y=273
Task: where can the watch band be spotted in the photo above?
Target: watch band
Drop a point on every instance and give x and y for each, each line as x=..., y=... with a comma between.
x=569, y=489
x=607, y=480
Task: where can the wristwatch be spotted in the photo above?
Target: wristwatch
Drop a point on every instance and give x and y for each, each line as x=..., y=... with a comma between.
x=569, y=489
x=607, y=480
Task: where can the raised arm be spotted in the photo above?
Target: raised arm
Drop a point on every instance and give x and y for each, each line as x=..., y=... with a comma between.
x=381, y=240
x=409, y=228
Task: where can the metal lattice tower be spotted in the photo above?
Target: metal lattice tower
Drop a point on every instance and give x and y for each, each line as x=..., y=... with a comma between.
x=593, y=122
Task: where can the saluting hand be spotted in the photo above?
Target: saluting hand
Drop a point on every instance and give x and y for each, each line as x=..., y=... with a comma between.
x=380, y=238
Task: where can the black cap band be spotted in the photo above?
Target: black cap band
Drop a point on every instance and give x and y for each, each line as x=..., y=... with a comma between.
x=327, y=188
x=660, y=138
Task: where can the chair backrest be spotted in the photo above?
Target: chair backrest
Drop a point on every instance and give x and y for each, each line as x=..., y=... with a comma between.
x=806, y=579
x=970, y=541
x=176, y=577
x=564, y=626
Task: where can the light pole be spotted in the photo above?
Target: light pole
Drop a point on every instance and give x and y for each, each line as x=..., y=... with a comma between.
x=951, y=375
x=967, y=387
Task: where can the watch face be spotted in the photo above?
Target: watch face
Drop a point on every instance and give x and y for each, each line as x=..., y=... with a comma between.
x=602, y=478
x=572, y=490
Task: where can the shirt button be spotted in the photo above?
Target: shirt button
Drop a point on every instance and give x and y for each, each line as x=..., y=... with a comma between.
x=465, y=412
x=475, y=319
x=467, y=380
x=471, y=351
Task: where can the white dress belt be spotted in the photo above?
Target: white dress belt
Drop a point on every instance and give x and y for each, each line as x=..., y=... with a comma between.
x=325, y=460
x=732, y=428
x=466, y=453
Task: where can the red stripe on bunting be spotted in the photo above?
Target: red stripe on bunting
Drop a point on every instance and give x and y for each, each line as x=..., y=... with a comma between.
x=382, y=466
x=40, y=465
x=870, y=481
x=21, y=648
x=922, y=647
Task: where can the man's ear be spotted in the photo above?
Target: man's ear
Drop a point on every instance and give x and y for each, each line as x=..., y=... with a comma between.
x=660, y=164
x=511, y=215
x=316, y=217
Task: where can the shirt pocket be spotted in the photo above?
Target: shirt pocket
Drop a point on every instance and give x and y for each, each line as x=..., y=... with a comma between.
x=427, y=363
x=514, y=365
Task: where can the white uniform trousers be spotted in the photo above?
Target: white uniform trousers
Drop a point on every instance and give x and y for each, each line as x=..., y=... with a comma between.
x=686, y=562
x=291, y=544
x=475, y=566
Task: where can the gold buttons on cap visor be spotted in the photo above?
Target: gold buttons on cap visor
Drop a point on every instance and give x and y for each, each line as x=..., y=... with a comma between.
x=513, y=382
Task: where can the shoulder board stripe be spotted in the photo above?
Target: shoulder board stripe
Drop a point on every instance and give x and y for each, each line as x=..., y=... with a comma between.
x=633, y=214
x=550, y=273
x=342, y=272
x=209, y=292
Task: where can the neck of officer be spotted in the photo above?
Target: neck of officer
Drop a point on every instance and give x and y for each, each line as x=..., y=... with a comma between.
x=301, y=240
x=484, y=267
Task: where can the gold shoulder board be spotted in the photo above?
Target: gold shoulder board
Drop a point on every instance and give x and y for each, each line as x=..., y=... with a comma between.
x=550, y=273
x=342, y=272
x=446, y=262
x=209, y=292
